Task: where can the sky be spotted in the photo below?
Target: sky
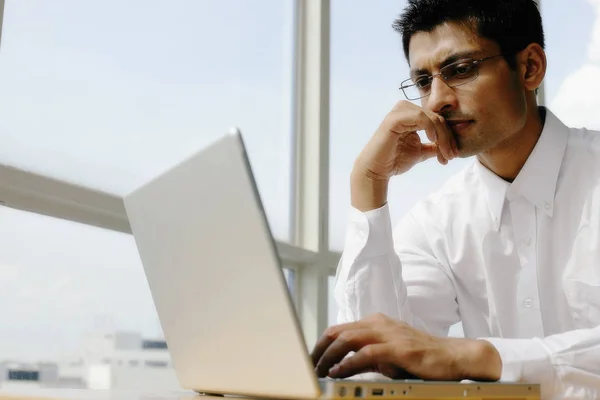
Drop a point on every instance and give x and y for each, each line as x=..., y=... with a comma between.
x=109, y=93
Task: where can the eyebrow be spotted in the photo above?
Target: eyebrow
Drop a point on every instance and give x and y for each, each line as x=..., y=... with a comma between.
x=448, y=60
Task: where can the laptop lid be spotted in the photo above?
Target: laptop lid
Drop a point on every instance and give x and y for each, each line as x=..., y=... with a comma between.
x=216, y=279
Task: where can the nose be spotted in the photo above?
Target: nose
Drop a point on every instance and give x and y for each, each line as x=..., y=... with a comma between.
x=441, y=98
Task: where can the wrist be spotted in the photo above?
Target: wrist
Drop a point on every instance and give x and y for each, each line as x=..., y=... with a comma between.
x=477, y=360
x=367, y=193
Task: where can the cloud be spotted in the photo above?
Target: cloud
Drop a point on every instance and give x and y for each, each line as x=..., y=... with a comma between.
x=595, y=3
x=579, y=95
x=594, y=46
x=577, y=100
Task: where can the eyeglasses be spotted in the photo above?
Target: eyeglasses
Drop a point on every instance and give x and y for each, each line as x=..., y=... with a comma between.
x=455, y=74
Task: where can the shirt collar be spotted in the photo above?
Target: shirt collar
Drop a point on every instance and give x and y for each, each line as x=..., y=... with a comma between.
x=537, y=179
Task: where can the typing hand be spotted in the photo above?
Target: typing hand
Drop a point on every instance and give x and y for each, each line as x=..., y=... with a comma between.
x=398, y=351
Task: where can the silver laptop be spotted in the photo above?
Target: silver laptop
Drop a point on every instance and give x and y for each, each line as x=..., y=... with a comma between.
x=221, y=296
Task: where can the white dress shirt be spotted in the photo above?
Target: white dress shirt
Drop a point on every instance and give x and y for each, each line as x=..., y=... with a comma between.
x=518, y=263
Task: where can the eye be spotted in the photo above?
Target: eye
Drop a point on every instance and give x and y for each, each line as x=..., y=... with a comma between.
x=462, y=69
x=422, y=82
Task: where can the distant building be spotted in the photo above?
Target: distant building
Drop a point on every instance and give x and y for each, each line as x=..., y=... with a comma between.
x=119, y=361
x=127, y=361
x=16, y=375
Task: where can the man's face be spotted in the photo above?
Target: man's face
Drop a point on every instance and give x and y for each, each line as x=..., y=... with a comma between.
x=482, y=113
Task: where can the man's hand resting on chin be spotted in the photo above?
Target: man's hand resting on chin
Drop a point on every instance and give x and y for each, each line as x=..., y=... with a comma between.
x=397, y=350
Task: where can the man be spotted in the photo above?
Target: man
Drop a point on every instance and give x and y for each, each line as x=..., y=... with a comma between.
x=510, y=246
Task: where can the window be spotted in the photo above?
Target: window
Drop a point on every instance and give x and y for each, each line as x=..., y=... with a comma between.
x=60, y=280
x=156, y=364
x=154, y=345
x=106, y=95
x=23, y=375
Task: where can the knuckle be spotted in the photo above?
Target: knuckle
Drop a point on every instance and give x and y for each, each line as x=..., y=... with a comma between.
x=402, y=104
x=368, y=351
x=330, y=333
x=347, y=336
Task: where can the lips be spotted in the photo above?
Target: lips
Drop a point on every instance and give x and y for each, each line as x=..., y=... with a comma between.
x=459, y=125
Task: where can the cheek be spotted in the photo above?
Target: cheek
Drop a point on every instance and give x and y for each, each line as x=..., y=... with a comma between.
x=502, y=107
x=514, y=99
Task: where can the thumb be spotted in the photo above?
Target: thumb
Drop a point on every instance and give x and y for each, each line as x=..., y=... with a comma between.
x=428, y=150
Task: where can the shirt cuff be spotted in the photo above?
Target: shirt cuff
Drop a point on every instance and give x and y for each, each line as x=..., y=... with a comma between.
x=370, y=231
x=524, y=360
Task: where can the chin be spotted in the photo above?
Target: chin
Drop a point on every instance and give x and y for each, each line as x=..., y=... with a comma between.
x=466, y=150
x=464, y=147
x=466, y=153
x=471, y=146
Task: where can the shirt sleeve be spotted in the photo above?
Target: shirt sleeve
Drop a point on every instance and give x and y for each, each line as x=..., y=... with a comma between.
x=567, y=365
x=393, y=272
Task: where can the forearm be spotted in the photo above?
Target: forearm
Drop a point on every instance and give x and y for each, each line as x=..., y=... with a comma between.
x=369, y=273
x=372, y=279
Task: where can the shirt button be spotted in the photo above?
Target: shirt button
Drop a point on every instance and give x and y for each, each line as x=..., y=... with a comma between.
x=528, y=303
x=527, y=241
x=547, y=206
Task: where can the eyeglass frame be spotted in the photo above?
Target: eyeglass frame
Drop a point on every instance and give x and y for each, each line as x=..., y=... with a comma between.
x=432, y=77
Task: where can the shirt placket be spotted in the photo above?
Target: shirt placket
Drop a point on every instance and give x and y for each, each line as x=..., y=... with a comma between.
x=528, y=299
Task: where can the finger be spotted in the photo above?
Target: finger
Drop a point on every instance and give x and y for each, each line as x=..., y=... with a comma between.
x=412, y=119
x=440, y=156
x=349, y=340
x=404, y=105
x=427, y=123
x=454, y=142
x=366, y=359
x=399, y=124
x=328, y=337
x=452, y=137
x=445, y=137
x=428, y=150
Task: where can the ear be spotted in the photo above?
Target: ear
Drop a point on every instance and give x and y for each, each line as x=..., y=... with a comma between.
x=532, y=66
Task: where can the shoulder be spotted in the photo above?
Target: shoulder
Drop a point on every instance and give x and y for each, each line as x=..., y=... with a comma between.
x=582, y=153
x=584, y=139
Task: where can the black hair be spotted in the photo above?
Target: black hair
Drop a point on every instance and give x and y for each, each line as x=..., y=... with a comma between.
x=512, y=24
